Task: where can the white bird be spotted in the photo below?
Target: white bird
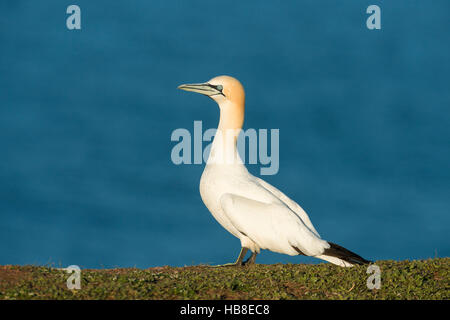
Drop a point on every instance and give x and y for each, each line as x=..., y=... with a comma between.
x=252, y=210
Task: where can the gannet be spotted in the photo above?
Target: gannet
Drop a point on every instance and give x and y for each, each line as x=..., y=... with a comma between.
x=258, y=214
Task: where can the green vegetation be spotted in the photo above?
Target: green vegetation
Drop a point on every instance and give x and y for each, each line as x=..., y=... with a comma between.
x=421, y=279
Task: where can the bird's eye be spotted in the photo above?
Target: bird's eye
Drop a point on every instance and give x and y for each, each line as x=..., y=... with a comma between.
x=219, y=87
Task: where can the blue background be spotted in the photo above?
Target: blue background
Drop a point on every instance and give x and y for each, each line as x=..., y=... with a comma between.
x=86, y=118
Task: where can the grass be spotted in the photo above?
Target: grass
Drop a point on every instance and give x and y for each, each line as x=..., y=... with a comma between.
x=418, y=279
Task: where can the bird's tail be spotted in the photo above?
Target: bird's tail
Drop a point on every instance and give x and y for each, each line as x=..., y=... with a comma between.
x=342, y=257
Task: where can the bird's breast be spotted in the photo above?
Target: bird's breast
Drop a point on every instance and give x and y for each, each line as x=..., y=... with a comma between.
x=214, y=184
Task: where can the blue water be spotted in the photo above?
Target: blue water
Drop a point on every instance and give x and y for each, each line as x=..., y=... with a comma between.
x=86, y=118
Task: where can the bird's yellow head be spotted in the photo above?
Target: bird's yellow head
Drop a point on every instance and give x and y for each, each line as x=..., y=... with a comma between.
x=229, y=94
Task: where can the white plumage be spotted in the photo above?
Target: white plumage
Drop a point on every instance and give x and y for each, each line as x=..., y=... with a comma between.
x=254, y=211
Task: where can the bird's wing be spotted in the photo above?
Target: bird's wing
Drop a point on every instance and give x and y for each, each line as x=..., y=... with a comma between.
x=272, y=226
x=290, y=203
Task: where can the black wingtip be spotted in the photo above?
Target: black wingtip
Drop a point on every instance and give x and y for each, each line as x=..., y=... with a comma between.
x=337, y=251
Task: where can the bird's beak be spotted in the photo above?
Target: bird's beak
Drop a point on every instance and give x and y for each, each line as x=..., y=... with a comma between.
x=203, y=88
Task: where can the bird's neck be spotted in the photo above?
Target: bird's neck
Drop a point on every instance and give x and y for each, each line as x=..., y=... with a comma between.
x=224, y=147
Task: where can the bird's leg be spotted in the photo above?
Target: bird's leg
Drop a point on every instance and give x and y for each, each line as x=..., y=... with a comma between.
x=239, y=261
x=250, y=260
x=241, y=256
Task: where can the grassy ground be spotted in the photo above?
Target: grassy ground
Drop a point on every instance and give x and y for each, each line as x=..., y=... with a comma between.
x=421, y=279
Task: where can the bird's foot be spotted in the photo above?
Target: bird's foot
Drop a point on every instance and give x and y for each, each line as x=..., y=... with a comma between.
x=238, y=262
x=234, y=264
